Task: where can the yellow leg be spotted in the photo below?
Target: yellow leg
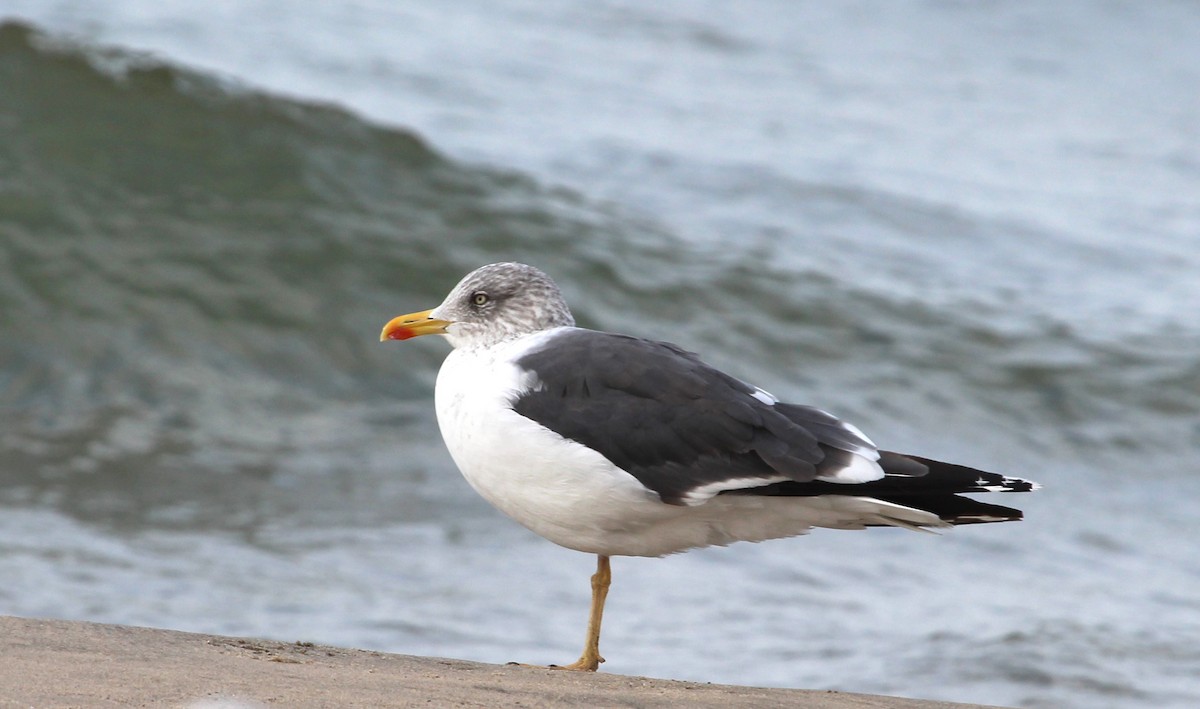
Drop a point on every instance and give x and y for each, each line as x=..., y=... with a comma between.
x=590, y=660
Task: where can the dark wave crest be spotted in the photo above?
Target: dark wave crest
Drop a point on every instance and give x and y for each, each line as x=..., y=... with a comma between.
x=194, y=273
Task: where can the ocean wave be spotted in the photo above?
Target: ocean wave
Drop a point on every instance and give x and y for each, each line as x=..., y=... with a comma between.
x=193, y=274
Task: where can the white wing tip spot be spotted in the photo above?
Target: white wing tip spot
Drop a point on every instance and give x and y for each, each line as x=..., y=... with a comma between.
x=765, y=396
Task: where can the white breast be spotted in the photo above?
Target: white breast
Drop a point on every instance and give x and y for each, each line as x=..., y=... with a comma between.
x=560, y=489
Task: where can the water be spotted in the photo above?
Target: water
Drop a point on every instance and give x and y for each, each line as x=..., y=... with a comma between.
x=970, y=229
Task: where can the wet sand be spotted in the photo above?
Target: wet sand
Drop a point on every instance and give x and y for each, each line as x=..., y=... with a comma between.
x=56, y=663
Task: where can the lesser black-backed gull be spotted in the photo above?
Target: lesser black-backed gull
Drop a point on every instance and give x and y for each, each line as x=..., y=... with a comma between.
x=620, y=446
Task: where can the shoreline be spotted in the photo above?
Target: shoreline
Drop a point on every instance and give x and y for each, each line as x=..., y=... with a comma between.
x=60, y=663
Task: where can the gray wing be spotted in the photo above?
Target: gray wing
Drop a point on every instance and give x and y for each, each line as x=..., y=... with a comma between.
x=685, y=430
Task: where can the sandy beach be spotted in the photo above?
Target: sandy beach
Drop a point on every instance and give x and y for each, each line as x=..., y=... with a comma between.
x=56, y=663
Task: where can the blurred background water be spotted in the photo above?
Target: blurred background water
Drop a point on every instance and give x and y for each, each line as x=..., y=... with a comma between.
x=971, y=228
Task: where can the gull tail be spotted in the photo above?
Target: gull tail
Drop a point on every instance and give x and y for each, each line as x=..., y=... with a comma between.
x=936, y=487
x=923, y=484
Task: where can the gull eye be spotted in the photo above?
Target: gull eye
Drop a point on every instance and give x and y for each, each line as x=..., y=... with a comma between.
x=480, y=299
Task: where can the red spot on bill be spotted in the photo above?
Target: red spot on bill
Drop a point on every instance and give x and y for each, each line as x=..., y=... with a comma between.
x=401, y=333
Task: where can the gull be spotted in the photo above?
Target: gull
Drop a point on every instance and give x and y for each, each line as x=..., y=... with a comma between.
x=621, y=446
